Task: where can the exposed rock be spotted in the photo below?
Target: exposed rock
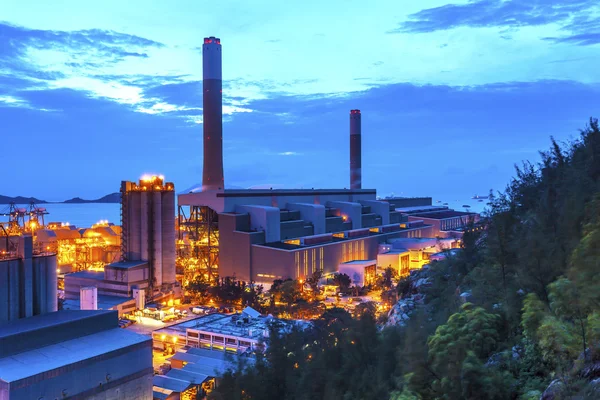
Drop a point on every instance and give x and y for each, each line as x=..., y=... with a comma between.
x=553, y=391
x=517, y=351
x=466, y=297
x=591, y=371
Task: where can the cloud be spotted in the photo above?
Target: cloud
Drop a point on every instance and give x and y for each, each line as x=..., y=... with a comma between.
x=584, y=39
x=289, y=153
x=504, y=13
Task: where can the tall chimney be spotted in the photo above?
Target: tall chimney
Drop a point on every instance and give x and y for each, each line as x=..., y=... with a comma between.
x=355, y=154
x=212, y=172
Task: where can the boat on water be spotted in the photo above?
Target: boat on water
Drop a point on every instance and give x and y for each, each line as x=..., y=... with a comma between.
x=477, y=197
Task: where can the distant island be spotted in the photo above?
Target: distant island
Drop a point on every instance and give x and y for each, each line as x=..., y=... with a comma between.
x=20, y=200
x=109, y=198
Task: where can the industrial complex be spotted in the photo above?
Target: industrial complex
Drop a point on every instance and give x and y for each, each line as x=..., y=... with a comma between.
x=163, y=243
x=262, y=235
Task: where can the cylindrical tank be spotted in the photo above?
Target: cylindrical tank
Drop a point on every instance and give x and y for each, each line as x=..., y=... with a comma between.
x=88, y=298
x=355, y=150
x=212, y=103
x=40, y=270
x=157, y=238
x=134, y=233
x=51, y=284
x=168, y=236
x=144, y=217
x=14, y=290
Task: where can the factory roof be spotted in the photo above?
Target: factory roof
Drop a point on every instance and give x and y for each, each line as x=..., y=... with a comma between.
x=42, y=321
x=33, y=362
x=222, y=324
x=420, y=209
x=285, y=192
x=127, y=264
x=99, y=275
x=360, y=262
x=186, y=374
x=334, y=239
x=443, y=214
x=159, y=393
x=169, y=383
x=104, y=302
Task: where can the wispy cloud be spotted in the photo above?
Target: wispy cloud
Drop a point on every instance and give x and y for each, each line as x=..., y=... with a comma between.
x=289, y=153
x=579, y=18
x=489, y=13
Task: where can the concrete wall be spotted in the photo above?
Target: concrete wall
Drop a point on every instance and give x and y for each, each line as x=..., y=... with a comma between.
x=380, y=208
x=263, y=218
x=129, y=371
x=292, y=229
x=314, y=213
x=235, y=246
x=351, y=211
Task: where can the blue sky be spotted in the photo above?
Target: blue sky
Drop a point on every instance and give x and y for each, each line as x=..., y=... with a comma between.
x=453, y=94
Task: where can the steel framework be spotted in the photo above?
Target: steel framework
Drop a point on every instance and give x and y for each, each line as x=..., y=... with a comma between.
x=198, y=242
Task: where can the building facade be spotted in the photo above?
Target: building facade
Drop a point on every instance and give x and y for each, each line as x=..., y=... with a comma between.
x=74, y=354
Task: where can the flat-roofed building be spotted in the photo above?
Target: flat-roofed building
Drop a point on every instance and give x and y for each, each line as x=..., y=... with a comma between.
x=74, y=354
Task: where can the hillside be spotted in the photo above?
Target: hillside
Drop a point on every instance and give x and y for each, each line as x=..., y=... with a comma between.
x=20, y=200
x=109, y=198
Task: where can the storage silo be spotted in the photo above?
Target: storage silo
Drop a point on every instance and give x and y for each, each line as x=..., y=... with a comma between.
x=168, y=237
x=157, y=238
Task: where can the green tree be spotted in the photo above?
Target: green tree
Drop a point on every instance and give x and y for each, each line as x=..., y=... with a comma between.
x=470, y=330
x=343, y=281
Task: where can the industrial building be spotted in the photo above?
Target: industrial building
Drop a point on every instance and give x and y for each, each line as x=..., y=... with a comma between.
x=262, y=235
x=235, y=333
x=28, y=282
x=194, y=373
x=77, y=249
x=80, y=249
x=75, y=355
x=146, y=269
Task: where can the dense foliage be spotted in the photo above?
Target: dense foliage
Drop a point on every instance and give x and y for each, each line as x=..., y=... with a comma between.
x=514, y=314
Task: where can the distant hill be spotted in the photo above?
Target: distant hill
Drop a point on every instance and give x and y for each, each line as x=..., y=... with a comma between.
x=20, y=200
x=109, y=198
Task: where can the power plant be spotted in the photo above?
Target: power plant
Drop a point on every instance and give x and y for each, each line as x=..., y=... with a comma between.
x=254, y=235
x=262, y=235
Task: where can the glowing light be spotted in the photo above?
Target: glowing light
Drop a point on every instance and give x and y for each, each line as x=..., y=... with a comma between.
x=163, y=337
x=174, y=340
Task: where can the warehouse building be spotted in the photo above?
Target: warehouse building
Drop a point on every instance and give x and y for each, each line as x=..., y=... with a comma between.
x=74, y=354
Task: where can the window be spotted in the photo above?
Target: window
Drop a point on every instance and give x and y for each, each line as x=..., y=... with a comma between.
x=231, y=341
x=218, y=339
x=321, y=258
